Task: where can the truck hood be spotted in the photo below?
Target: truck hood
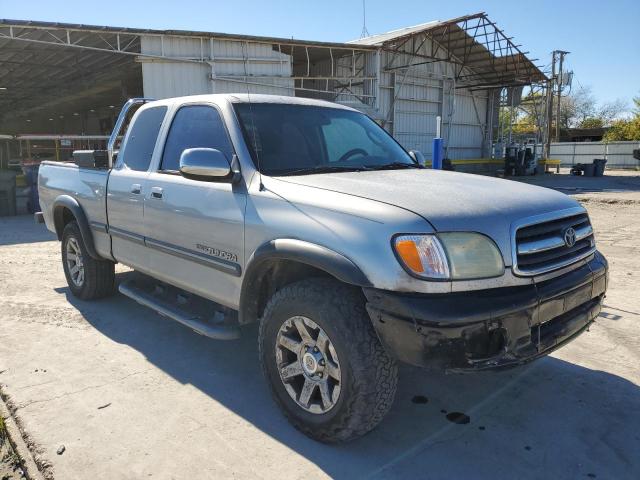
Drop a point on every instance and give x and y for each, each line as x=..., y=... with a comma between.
x=449, y=201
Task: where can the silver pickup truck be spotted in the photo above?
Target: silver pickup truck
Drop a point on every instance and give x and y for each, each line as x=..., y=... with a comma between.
x=309, y=218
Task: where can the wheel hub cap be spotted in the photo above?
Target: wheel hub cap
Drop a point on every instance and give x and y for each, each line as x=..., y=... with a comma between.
x=311, y=362
x=75, y=261
x=308, y=365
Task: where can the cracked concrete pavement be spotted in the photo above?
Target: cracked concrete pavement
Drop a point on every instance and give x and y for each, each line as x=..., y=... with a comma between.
x=131, y=394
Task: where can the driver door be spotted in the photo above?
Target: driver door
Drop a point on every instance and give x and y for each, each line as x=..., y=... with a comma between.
x=195, y=228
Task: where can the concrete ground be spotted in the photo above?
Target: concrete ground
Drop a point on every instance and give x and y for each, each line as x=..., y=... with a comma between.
x=621, y=185
x=131, y=394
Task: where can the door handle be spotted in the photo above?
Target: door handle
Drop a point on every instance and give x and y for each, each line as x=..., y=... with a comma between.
x=156, y=192
x=136, y=188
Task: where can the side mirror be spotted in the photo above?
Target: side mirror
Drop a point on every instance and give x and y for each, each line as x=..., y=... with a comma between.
x=417, y=156
x=205, y=164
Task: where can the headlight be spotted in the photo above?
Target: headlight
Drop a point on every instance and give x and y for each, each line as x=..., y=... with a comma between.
x=449, y=256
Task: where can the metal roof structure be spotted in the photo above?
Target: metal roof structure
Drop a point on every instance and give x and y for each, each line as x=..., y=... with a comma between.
x=380, y=39
x=43, y=65
x=26, y=24
x=63, y=67
x=485, y=56
x=56, y=70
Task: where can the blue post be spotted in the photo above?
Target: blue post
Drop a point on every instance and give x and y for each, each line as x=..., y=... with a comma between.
x=438, y=154
x=438, y=151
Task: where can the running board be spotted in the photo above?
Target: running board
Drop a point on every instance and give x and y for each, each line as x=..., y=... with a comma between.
x=213, y=329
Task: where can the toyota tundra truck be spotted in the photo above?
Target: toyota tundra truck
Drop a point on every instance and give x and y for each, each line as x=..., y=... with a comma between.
x=309, y=218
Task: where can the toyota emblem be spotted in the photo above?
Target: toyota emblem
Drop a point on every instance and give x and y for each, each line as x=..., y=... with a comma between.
x=569, y=237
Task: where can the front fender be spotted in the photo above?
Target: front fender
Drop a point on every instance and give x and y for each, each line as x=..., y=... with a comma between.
x=317, y=256
x=68, y=202
x=312, y=254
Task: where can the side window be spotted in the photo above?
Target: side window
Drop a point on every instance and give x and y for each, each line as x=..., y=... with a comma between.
x=194, y=126
x=138, y=150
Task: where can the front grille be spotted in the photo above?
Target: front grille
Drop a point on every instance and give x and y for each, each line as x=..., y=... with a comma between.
x=541, y=247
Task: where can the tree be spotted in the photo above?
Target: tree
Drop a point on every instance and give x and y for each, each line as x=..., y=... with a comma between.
x=527, y=117
x=625, y=129
x=591, y=122
x=576, y=107
x=636, y=103
x=610, y=111
x=581, y=106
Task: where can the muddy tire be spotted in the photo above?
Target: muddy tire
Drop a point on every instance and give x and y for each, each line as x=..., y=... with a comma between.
x=324, y=363
x=87, y=277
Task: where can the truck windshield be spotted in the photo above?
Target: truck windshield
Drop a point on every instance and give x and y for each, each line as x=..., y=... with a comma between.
x=287, y=139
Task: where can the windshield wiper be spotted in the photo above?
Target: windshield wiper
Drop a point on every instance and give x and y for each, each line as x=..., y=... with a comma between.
x=394, y=166
x=342, y=168
x=325, y=169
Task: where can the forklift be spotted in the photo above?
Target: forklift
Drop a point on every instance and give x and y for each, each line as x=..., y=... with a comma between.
x=521, y=159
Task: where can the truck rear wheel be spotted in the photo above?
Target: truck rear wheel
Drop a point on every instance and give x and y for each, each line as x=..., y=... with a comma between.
x=87, y=277
x=324, y=363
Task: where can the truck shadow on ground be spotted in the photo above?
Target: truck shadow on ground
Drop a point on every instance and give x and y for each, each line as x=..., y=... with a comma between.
x=550, y=419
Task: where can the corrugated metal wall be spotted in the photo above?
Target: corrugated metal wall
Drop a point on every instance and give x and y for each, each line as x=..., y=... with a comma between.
x=222, y=58
x=343, y=64
x=412, y=97
x=163, y=79
x=408, y=95
x=417, y=104
x=468, y=135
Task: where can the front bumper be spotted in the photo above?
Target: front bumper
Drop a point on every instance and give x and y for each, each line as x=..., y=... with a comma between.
x=477, y=330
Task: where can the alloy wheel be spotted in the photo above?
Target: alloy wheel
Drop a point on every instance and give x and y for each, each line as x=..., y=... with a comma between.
x=75, y=263
x=308, y=365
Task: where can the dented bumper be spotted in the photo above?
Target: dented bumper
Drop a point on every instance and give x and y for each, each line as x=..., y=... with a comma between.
x=488, y=329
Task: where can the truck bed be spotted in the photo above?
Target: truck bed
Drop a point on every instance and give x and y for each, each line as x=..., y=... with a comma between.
x=86, y=185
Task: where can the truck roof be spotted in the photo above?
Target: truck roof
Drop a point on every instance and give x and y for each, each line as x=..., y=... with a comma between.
x=252, y=98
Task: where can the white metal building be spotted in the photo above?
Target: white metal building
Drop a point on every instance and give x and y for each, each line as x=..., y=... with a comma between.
x=69, y=79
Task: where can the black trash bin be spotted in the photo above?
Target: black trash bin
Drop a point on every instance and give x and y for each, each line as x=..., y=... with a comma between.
x=31, y=173
x=589, y=169
x=7, y=193
x=598, y=167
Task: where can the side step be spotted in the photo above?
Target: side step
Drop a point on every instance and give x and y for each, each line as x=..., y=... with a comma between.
x=215, y=328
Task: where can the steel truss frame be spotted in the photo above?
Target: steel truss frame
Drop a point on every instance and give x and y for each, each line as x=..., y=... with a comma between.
x=346, y=62
x=482, y=55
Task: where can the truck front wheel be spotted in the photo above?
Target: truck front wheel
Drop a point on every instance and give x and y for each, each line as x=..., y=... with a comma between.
x=87, y=277
x=324, y=363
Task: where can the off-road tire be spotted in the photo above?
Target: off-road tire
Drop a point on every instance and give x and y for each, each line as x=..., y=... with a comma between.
x=369, y=374
x=99, y=275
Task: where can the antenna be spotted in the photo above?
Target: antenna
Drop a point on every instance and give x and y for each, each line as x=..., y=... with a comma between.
x=253, y=124
x=365, y=32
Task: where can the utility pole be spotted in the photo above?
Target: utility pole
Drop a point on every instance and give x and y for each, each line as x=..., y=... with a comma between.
x=549, y=110
x=560, y=74
x=554, y=88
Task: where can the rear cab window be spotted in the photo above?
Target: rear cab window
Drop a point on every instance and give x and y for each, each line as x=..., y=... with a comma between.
x=138, y=148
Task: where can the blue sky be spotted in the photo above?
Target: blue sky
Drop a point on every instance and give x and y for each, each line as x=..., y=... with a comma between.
x=602, y=36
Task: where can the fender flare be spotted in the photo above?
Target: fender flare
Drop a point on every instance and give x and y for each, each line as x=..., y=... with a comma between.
x=317, y=256
x=66, y=201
